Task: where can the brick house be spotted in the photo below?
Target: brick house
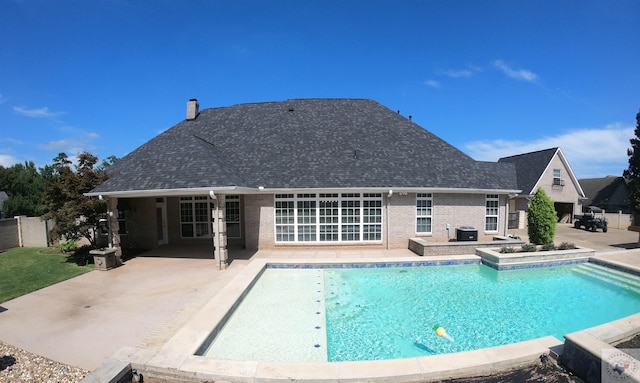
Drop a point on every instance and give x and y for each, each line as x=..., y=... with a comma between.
x=610, y=193
x=302, y=172
x=549, y=170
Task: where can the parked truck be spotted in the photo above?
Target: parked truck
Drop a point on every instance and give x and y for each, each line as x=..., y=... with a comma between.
x=592, y=218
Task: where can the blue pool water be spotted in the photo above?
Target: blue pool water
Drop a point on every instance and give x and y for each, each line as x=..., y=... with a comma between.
x=388, y=313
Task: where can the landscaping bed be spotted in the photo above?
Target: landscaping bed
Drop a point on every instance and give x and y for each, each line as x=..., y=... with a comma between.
x=17, y=365
x=513, y=258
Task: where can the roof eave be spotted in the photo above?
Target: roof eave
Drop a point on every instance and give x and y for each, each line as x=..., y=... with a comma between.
x=263, y=190
x=166, y=192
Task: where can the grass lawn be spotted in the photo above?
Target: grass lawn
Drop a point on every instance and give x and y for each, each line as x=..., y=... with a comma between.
x=27, y=269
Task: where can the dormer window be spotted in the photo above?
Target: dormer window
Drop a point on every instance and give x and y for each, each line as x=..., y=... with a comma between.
x=557, y=179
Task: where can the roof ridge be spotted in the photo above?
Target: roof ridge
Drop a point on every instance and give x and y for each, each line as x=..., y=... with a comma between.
x=555, y=148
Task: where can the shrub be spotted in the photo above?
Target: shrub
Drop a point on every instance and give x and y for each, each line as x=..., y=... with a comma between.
x=541, y=219
x=507, y=250
x=548, y=247
x=528, y=248
x=67, y=247
x=566, y=246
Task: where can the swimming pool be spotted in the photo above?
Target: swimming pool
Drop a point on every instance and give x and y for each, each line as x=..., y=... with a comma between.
x=373, y=313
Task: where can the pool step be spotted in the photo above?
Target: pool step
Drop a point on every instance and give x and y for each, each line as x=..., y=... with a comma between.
x=615, y=277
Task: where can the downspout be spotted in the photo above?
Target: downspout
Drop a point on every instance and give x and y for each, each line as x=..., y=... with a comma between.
x=388, y=220
x=506, y=221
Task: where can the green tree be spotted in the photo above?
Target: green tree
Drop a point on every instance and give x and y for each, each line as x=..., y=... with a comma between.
x=106, y=163
x=76, y=216
x=24, y=186
x=632, y=174
x=541, y=219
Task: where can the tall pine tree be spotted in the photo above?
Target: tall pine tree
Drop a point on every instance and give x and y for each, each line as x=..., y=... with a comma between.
x=632, y=174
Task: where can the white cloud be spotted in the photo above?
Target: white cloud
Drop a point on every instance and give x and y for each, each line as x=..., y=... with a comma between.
x=71, y=147
x=462, y=73
x=432, y=83
x=7, y=160
x=38, y=113
x=76, y=141
x=518, y=74
x=12, y=141
x=591, y=152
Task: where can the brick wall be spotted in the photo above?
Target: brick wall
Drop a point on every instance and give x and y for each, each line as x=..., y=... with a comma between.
x=399, y=222
x=259, y=222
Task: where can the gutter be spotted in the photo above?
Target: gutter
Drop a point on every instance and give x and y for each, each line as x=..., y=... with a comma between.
x=166, y=192
x=265, y=190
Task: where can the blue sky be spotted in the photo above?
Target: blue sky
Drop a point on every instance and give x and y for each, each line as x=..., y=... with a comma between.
x=493, y=78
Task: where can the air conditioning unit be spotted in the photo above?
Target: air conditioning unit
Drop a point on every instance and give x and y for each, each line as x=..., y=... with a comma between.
x=466, y=233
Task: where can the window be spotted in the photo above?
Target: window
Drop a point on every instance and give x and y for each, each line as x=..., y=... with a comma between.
x=328, y=217
x=285, y=218
x=122, y=222
x=328, y=214
x=350, y=217
x=424, y=204
x=232, y=216
x=372, y=217
x=307, y=218
x=557, y=179
x=491, y=215
x=195, y=217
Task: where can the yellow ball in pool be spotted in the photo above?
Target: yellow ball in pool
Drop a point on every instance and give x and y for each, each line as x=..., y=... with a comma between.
x=440, y=331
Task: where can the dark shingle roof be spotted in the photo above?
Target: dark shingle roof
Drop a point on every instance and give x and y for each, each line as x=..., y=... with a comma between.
x=600, y=191
x=530, y=167
x=303, y=143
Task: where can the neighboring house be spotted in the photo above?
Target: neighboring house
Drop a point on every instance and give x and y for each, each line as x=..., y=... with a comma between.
x=547, y=169
x=610, y=193
x=302, y=172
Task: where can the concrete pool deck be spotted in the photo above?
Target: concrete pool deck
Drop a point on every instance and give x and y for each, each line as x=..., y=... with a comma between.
x=176, y=358
x=139, y=307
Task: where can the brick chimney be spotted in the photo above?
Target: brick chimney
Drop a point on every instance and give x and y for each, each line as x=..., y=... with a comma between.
x=192, y=109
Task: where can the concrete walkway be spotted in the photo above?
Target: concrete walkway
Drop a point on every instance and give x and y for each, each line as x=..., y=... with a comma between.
x=85, y=320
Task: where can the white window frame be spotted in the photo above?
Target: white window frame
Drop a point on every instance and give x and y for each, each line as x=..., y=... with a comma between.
x=233, y=214
x=492, y=212
x=122, y=222
x=285, y=218
x=199, y=221
x=328, y=217
x=200, y=218
x=557, y=177
x=424, y=213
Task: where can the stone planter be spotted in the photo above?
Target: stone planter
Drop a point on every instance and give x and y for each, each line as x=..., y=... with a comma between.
x=505, y=261
x=104, y=258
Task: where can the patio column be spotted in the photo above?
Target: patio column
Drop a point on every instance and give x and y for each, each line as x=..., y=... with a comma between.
x=219, y=233
x=114, y=228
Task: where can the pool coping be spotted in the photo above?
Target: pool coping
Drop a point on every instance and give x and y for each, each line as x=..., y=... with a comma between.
x=177, y=360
